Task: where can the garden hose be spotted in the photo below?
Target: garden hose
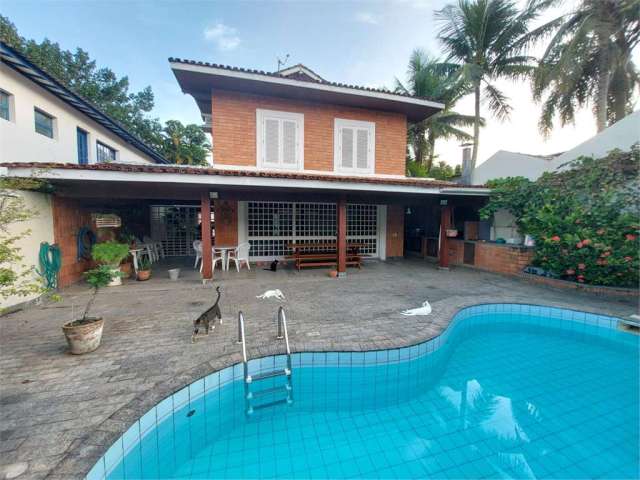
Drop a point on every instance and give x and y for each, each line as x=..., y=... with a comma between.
x=50, y=261
x=86, y=239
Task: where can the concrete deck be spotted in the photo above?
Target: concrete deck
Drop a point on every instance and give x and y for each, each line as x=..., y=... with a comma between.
x=59, y=413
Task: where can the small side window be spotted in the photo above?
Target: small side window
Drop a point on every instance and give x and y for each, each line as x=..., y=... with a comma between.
x=104, y=153
x=6, y=100
x=44, y=123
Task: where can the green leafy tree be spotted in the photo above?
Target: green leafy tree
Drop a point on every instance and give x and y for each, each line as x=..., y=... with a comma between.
x=588, y=61
x=16, y=278
x=487, y=40
x=585, y=220
x=428, y=77
x=185, y=144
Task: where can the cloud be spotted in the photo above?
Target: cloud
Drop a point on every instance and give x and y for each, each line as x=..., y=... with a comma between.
x=225, y=37
x=367, y=17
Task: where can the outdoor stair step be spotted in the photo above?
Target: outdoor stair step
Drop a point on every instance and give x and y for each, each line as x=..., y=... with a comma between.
x=270, y=374
x=269, y=404
x=268, y=391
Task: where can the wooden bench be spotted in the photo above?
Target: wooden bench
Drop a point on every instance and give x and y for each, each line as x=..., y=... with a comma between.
x=308, y=255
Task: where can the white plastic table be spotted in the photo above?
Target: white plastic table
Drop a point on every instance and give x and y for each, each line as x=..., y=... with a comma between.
x=224, y=253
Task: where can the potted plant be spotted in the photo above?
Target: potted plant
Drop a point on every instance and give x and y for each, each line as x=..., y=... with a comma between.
x=84, y=334
x=144, y=270
x=111, y=254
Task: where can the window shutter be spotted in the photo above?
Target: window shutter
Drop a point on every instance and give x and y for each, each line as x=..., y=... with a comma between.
x=289, y=142
x=362, y=148
x=347, y=147
x=271, y=140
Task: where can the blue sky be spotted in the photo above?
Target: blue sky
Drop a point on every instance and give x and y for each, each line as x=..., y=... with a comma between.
x=364, y=43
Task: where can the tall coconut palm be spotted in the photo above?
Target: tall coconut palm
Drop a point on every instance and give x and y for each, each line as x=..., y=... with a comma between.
x=588, y=60
x=486, y=39
x=427, y=77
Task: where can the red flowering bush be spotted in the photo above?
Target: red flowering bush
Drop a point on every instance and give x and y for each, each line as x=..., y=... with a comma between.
x=585, y=220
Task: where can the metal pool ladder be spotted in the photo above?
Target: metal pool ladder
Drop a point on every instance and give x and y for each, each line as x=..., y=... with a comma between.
x=251, y=396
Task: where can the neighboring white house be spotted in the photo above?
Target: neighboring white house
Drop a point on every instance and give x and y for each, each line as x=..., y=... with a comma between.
x=511, y=164
x=42, y=121
x=620, y=135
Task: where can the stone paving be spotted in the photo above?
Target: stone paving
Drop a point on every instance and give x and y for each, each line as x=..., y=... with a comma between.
x=59, y=413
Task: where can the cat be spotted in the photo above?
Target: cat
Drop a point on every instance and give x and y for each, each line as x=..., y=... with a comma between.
x=273, y=267
x=277, y=294
x=208, y=318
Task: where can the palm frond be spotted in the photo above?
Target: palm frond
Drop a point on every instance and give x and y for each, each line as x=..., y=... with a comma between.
x=498, y=102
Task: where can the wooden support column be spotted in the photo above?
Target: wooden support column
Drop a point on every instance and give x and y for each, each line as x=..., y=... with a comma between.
x=445, y=223
x=205, y=223
x=342, y=237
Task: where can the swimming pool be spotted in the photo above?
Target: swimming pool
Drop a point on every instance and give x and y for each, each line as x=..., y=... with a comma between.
x=507, y=390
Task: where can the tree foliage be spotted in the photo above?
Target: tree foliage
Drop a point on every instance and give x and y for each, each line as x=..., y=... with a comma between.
x=588, y=61
x=101, y=87
x=585, y=220
x=430, y=78
x=486, y=39
x=439, y=171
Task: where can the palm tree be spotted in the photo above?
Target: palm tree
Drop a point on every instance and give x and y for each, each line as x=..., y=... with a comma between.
x=427, y=77
x=588, y=60
x=486, y=38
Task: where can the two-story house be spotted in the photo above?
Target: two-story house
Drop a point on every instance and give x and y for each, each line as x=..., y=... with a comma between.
x=296, y=159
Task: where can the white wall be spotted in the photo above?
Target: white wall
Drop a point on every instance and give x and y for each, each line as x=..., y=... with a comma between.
x=509, y=164
x=41, y=227
x=19, y=141
x=621, y=135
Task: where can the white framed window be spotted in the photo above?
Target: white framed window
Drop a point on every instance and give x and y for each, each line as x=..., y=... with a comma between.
x=354, y=146
x=104, y=153
x=44, y=123
x=6, y=106
x=280, y=140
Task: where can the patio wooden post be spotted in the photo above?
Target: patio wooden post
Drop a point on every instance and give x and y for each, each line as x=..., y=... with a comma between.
x=342, y=237
x=445, y=223
x=205, y=223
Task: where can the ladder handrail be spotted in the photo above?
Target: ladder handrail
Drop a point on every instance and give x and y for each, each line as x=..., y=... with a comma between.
x=241, y=337
x=282, y=323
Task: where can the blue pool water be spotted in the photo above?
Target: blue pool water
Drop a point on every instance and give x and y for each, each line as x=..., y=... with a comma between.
x=509, y=391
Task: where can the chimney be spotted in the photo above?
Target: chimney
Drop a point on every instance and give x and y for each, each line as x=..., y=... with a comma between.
x=466, y=164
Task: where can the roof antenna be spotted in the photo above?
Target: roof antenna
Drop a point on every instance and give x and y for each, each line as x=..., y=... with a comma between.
x=281, y=63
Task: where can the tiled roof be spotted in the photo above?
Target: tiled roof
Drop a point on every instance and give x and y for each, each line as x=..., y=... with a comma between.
x=277, y=75
x=26, y=67
x=185, y=170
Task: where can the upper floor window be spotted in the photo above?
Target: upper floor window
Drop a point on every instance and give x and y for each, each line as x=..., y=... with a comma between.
x=280, y=140
x=354, y=146
x=104, y=153
x=44, y=123
x=5, y=105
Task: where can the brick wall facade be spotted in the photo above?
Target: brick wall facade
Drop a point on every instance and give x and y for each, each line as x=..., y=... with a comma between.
x=395, y=231
x=234, y=131
x=506, y=259
x=68, y=217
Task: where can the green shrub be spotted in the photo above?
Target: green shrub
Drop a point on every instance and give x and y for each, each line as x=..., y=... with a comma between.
x=585, y=220
x=110, y=253
x=100, y=276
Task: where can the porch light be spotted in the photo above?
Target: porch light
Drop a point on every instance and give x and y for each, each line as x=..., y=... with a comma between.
x=213, y=195
x=408, y=212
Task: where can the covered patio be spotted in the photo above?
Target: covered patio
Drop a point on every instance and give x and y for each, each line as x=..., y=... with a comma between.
x=61, y=412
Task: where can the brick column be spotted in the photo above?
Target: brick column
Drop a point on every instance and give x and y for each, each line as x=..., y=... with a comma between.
x=205, y=217
x=445, y=223
x=342, y=237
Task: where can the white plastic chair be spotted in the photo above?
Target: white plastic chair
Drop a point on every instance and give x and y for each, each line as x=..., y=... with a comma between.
x=214, y=260
x=197, y=246
x=158, y=249
x=240, y=254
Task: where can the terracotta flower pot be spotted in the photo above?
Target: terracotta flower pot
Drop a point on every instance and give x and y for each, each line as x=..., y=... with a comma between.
x=333, y=273
x=83, y=336
x=144, y=275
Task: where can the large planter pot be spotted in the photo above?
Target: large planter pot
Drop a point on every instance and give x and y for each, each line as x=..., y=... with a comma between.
x=144, y=275
x=83, y=336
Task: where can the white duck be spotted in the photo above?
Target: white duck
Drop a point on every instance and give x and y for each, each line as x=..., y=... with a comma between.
x=425, y=309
